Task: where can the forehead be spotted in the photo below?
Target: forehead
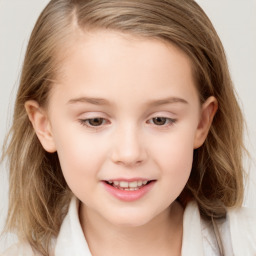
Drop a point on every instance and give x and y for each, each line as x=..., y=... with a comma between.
x=105, y=61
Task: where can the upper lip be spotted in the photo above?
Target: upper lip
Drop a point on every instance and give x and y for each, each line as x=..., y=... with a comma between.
x=128, y=179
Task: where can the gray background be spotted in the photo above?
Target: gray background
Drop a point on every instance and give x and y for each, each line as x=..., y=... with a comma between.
x=234, y=20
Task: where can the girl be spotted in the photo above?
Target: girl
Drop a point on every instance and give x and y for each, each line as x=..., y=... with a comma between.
x=127, y=134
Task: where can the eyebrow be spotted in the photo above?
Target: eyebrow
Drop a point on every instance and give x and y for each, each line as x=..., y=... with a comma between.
x=165, y=101
x=100, y=101
x=94, y=101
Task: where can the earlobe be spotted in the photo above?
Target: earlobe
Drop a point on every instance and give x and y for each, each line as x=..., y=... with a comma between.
x=40, y=121
x=208, y=112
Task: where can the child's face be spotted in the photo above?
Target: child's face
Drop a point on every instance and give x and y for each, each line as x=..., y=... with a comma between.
x=125, y=109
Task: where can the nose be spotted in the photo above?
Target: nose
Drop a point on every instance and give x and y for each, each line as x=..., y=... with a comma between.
x=129, y=149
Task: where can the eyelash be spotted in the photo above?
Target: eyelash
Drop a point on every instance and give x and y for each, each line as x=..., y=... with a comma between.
x=168, y=121
x=85, y=122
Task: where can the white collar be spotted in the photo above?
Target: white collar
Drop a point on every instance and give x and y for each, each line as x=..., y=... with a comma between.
x=238, y=233
x=192, y=241
x=71, y=240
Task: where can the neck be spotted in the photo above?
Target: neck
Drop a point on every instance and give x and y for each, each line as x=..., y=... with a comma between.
x=161, y=236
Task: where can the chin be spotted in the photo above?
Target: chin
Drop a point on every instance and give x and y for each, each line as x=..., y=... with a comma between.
x=131, y=219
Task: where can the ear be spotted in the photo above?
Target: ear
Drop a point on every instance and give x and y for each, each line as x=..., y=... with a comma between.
x=208, y=111
x=40, y=121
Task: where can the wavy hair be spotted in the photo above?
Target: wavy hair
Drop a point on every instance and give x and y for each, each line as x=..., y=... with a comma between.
x=39, y=194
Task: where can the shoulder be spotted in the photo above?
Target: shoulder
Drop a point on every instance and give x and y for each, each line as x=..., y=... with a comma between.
x=237, y=232
x=242, y=222
x=19, y=249
x=243, y=216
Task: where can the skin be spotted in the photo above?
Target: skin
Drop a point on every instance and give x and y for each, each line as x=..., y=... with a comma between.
x=138, y=79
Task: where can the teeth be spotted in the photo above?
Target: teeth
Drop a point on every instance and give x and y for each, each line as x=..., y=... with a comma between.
x=133, y=184
x=130, y=189
x=125, y=185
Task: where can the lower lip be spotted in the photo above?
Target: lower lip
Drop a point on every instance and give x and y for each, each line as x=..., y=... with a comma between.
x=131, y=195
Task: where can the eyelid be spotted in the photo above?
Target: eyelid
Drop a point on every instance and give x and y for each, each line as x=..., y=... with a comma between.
x=171, y=121
x=92, y=114
x=162, y=114
x=84, y=124
x=166, y=114
x=87, y=116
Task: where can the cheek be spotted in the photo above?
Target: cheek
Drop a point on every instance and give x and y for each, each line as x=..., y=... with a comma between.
x=178, y=165
x=175, y=149
x=80, y=157
x=174, y=156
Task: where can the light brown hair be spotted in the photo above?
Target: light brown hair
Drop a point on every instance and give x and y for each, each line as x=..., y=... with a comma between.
x=39, y=195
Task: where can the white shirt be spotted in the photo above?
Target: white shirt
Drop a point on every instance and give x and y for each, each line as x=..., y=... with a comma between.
x=238, y=234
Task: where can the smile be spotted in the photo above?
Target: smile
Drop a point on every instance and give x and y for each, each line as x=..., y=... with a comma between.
x=128, y=190
x=128, y=186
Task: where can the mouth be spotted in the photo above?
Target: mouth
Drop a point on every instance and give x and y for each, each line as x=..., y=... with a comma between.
x=128, y=185
x=129, y=190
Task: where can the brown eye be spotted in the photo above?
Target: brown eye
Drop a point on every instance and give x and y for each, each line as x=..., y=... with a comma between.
x=160, y=120
x=95, y=121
